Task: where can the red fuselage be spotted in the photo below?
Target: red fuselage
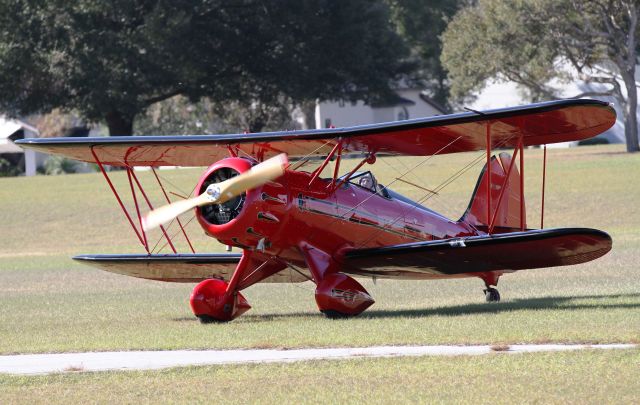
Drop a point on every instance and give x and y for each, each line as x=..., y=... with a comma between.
x=292, y=211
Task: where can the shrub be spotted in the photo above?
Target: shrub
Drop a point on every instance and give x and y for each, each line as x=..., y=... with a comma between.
x=594, y=141
x=55, y=165
x=7, y=169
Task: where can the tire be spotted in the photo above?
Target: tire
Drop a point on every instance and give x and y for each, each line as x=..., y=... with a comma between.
x=492, y=295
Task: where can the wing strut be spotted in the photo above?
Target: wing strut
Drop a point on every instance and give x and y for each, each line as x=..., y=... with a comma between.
x=370, y=158
x=489, y=173
x=522, y=223
x=169, y=202
x=337, y=147
x=519, y=147
x=133, y=179
x=503, y=188
x=544, y=177
x=142, y=240
x=164, y=231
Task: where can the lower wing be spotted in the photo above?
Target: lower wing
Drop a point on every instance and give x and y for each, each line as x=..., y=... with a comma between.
x=462, y=256
x=456, y=257
x=179, y=268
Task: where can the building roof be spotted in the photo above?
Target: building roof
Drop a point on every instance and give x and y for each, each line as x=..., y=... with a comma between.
x=9, y=127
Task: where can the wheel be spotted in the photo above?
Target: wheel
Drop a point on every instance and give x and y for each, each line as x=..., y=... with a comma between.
x=492, y=295
x=210, y=302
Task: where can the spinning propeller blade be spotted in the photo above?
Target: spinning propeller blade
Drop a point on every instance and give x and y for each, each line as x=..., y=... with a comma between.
x=218, y=193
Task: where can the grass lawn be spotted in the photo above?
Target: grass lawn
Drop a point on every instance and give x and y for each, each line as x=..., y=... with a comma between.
x=50, y=304
x=587, y=377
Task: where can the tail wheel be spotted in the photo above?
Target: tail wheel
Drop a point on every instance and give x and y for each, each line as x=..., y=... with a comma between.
x=492, y=295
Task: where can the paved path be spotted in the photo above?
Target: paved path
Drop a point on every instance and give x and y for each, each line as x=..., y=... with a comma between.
x=149, y=360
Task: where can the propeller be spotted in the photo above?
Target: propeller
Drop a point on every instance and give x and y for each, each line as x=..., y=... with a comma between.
x=218, y=193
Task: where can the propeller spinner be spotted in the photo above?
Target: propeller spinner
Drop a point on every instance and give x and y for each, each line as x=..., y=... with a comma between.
x=218, y=193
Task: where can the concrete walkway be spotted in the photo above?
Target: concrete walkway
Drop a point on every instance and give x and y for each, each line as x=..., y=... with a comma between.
x=150, y=360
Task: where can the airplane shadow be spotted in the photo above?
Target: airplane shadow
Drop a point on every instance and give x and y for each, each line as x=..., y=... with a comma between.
x=558, y=303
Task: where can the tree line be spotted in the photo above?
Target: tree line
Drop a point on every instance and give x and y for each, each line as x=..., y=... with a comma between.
x=112, y=61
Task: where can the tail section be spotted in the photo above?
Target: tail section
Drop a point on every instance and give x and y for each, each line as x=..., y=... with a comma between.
x=508, y=214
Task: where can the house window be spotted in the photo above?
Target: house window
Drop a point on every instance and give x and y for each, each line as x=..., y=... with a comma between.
x=327, y=123
x=403, y=114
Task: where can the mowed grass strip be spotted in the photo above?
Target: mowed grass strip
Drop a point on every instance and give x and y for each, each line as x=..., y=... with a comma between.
x=50, y=304
x=585, y=377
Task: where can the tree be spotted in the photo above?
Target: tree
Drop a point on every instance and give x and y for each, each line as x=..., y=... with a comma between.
x=177, y=116
x=420, y=23
x=112, y=60
x=532, y=42
x=256, y=116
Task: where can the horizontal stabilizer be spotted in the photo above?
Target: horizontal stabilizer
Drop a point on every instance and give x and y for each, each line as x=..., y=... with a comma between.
x=179, y=268
x=458, y=256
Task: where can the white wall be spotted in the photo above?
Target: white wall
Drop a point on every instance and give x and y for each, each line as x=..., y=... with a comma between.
x=346, y=114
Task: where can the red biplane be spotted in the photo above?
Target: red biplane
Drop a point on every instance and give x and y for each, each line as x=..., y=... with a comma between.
x=294, y=225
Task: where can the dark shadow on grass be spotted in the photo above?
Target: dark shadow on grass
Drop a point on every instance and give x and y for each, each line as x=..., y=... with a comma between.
x=558, y=303
x=185, y=319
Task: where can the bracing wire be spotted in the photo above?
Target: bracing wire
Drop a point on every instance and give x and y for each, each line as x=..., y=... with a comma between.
x=352, y=209
x=440, y=187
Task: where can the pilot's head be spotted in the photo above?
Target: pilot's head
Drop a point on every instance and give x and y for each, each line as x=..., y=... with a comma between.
x=366, y=182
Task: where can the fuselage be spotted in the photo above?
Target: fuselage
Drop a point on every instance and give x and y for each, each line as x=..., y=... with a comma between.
x=280, y=216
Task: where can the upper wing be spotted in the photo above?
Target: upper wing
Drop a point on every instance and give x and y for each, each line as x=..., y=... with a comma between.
x=508, y=251
x=541, y=123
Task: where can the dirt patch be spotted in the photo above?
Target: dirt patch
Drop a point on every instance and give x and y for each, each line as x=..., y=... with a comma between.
x=74, y=369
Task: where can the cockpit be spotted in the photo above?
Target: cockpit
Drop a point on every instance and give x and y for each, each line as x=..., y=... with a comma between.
x=367, y=181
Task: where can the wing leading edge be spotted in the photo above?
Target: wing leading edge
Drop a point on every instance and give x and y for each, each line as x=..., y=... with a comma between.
x=459, y=256
x=541, y=123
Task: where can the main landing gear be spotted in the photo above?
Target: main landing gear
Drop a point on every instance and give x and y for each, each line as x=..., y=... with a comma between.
x=218, y=301
x=339, y=296
x=212, y=302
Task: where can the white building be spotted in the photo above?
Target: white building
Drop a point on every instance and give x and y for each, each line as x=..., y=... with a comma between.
x=411, y=103
x=12, y=130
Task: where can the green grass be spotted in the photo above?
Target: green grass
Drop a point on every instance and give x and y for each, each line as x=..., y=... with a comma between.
x=588, y=377
x=50, y=304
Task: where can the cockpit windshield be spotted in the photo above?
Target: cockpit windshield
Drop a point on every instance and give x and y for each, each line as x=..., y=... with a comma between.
x=367, y=181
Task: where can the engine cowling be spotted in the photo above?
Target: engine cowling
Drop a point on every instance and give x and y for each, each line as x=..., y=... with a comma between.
x=246, y=221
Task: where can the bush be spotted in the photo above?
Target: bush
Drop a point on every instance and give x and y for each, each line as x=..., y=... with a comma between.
x=55, y=165
x=7, y=169
x=594, y=141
